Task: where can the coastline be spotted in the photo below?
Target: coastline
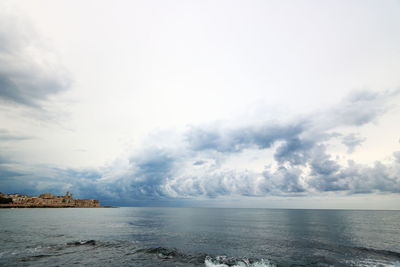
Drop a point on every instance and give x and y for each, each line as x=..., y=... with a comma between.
x=48, y=207
x=46, y=200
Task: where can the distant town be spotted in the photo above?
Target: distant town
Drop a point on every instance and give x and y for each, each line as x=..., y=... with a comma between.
x=45, y=200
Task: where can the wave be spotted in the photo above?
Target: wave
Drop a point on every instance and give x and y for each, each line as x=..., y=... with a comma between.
x=223, y=261
x=206, y=260
x=174, y=254
x=381, y=252
x=127, y=252
x=82, y=243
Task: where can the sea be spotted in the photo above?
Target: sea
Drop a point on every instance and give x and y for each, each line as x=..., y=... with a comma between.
x=143, y=236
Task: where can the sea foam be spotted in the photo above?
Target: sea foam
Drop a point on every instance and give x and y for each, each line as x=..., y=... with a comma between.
x=223, y=261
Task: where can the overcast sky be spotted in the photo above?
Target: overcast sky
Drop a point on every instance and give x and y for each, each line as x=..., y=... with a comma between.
x=282, y=104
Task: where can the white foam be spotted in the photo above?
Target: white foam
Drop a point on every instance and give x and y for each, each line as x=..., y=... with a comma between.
x=218, y=262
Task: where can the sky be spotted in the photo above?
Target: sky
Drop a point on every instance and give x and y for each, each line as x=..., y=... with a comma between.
x=265, y=104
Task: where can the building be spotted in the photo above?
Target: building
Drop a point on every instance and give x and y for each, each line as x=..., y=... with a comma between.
x=46, y=200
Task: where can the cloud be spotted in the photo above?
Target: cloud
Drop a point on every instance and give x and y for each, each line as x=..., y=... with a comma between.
x=302, y=163
x=356, y=178
x=352, y=141
x=150, y=169
x=199, y=162
x=235, y=140
x=196, y=163
x=294, y=151
x=29, y=74
x=359, y=108
x=6, y=135
x=284, y=180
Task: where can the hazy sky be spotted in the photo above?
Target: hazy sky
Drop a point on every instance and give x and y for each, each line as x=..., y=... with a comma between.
x=202, y=103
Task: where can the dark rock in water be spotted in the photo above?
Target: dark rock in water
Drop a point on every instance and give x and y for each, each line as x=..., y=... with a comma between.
x=84, y=242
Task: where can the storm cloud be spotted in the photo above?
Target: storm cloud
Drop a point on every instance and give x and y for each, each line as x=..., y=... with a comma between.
x=198, y=164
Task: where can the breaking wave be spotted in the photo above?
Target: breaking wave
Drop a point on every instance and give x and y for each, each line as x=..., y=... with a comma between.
x=223, y=261
x=122, y=253
x=203, y=259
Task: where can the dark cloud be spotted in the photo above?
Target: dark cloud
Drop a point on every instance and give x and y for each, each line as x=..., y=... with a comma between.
x=284, y=180
x=28, y=75
x=22, y=178
x=352, y=141
x=150, y=170
x=13, y=179
x=237, y=139
x=356, y=178
x=321, y=163
x=294, y=150
x=359, y=108
x=301, y=163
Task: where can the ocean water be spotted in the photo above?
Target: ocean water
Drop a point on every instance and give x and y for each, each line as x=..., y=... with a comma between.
x=198, y=237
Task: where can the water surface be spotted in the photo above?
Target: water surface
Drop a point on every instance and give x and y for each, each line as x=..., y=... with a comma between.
x=198, y=237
